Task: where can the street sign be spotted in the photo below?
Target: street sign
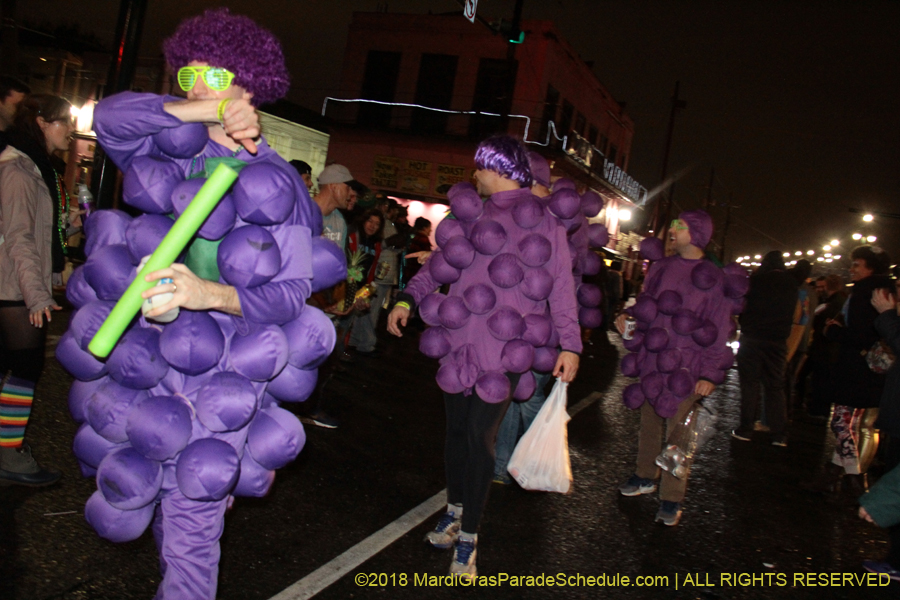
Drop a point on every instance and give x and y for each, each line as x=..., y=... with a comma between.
x=469, y=10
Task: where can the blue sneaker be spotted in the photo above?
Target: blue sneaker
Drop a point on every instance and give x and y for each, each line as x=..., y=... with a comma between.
x=464, y=559
x=635, y=486
x=881, y=568
x=669, y=513
x=445, y=532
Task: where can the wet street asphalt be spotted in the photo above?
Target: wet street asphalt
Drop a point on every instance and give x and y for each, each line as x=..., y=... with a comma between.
x=744, y=513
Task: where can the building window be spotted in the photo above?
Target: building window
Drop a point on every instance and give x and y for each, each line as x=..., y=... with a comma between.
x=604, y=142
x=379, y=83
x=565, y=119
x=592, y=135
x=611, y=155
x=580, y=124
x=496, y=77
x=434, y=88
x=551, y=104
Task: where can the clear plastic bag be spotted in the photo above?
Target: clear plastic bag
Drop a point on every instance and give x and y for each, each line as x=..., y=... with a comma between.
x=540, y=461
x=697, y=426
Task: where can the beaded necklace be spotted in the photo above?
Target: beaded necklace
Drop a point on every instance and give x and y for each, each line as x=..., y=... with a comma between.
x=63, y=218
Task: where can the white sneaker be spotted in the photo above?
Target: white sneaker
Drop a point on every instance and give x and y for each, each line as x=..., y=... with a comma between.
x=464, y=559
x=445, y=532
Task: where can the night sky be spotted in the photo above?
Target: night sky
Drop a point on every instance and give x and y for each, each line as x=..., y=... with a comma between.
x=794, y=103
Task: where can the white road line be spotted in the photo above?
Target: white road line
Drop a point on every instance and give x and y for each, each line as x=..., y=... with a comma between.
x=336, y=568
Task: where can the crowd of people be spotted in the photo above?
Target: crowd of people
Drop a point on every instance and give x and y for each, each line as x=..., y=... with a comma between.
x=510, y=288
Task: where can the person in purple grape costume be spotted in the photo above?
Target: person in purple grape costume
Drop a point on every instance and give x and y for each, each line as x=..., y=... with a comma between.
x=511, y=303
x=680, y=348
x=184, y=415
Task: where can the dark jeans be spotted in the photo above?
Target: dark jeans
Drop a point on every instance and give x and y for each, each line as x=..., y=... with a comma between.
x=472, y=427
x=21, y=343
x=762, y=362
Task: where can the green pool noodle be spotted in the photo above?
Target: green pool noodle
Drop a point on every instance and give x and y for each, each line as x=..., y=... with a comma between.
x=165, y=254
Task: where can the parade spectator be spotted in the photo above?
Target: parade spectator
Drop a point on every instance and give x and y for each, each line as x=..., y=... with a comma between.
x=34, y=209
x=762, y=356
x=822, y=354
x=858, y=388
x=305, y=172
x=420, y=245
x=12, y=92
x=477, y=386
x=364, y=248
x=801, y=327
x=675, y=275
x=334, y=193
x=881, y=506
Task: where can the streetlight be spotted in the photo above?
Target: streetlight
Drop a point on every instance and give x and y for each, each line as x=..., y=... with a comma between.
x=828, y=255
x=819, y=258
x=826, y=247
x=758, y=256
x=868, y=218
x=857, y=236
x=810, y=252
x=837, y=256
x=835, y=242
x=828, y=260
x=871, y=239
x=798, y=253
x=786, y=254
x=624, y=214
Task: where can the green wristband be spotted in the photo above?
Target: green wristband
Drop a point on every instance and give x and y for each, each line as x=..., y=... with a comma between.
x=402, y=305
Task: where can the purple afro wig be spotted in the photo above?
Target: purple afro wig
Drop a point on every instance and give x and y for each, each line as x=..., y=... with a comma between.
x=236, y=43
x=506, y=156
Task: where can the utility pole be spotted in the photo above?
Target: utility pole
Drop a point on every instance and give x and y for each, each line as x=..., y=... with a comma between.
x=512, y=65
x=660, y=229
x=121, y=74
x=725, y=228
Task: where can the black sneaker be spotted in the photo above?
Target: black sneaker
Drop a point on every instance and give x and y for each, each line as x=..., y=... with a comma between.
x=324, y=420
x=18, y=467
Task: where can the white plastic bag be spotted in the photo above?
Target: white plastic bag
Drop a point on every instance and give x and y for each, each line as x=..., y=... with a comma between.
x=541, y=458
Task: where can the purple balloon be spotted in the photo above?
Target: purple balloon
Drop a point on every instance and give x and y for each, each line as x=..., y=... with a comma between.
x=264, y=194
x=275, y=437
x=535, y=250
x=633, y=397
x=226, y=403
x=656, y=339
x=261, y=354
x=219, y=222
x=479, y=298
x=136, y=361
x=553, y=342
x=630, y=365
x=652, y=384
x=184, y=141
x=577, y=255
x=590, y=318
x=459, y=252
x=635, y=343
x=734, y=268
x=78, y=291
x=159, y=427
x=517, y=356
x=108, y=408
x=255, y=480
x=448, y=379
x=736, y=286
x=591, y=204
x=598, y=235
x=669, y=302
x=149, y=182
x=669, y=360
x=465, y=203
x=537, y=284
x=652, y=248
x=488, y=237
x=685, y=322
x=248, y=257
x=329, y=265
x=706, y=335
x=545, y=359
x=446, y=230
x=537, y=329
x=588, y=295
x=144, y=234
x=435, y=342
x=666, y=405
x=574, y=224
x=207, y=470
x=80, y=363
x=705, y=275
x=680, y=383
x=91, y=448
x=79, y=393
x=505, y=271
x=127, y=480
x=453, y=313
x=192, y=343
x=644, y=309
x=428, y=308
x=563, y=183
x=592, y=263
x=442, y=271
x=565, y=203
x=311, y=338
x=506, y=324
x=526, y=387
x=293, y=384
x=528, y=213
x=116, y=525
x=493, y=387
x=109, y=271
x=105, y=228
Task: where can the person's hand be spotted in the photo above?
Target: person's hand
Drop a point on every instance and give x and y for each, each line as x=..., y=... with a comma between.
x=566, y=367
x=864, y=514
x=190, y=292
x=830, y=323
x=620, y=323
x=335, y=309
x=241, y=123
x=421, y=256
x=37, y=317
x=883, y=300
x=704, y=388
x=399, y=315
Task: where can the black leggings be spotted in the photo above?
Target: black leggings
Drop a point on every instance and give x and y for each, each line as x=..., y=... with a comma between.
x=21, y=343
x=472, y=426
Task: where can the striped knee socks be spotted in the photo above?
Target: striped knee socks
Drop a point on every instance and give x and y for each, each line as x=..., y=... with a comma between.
x=15, y=408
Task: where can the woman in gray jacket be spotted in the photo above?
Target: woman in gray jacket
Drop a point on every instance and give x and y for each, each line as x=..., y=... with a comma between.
x=33, y=215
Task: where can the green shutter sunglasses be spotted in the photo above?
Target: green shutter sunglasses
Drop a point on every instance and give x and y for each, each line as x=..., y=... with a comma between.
x=215, y=78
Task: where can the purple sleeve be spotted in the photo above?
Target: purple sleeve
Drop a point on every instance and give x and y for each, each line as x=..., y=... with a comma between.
x=125, y=123
x=563, y=305
x=713, y=360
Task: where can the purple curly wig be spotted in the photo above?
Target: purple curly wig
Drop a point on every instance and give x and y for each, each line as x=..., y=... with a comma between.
x=236, y=43
x=505, y=155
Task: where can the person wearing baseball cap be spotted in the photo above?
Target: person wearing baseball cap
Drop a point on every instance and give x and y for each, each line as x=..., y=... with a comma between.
x=334, y=193
x=305, y=172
